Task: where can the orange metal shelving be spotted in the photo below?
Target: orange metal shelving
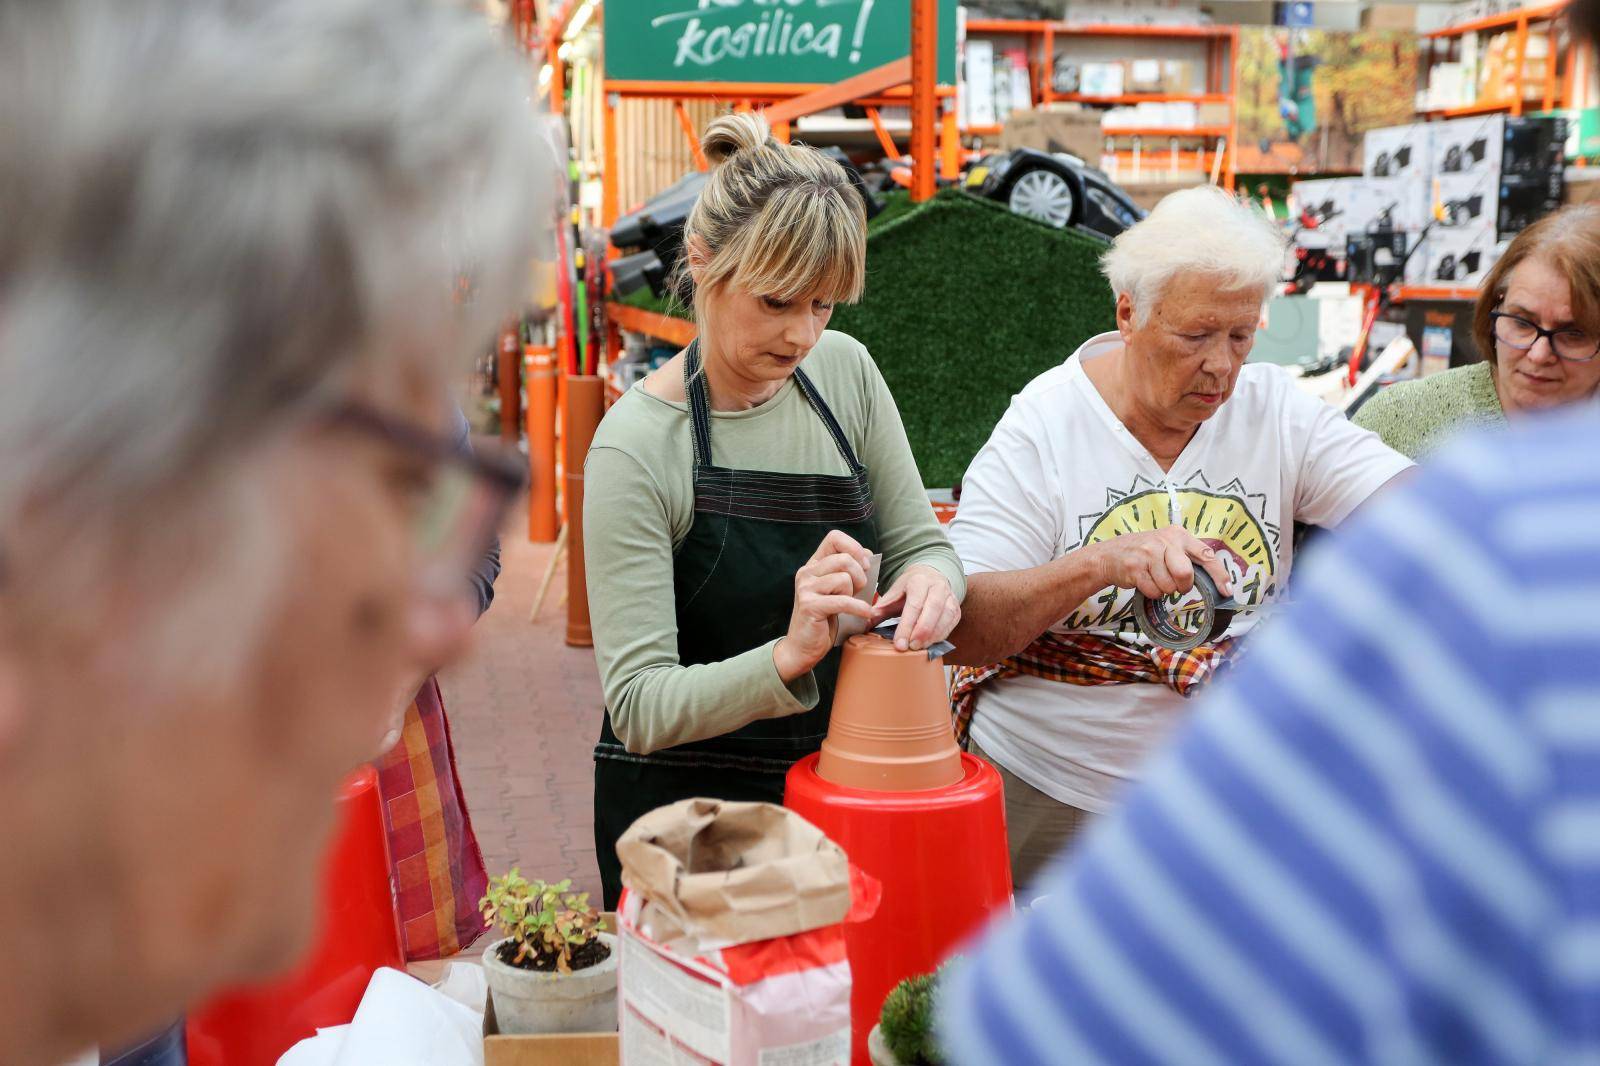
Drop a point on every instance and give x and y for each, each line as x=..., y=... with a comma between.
x=1222, y=74
x=673, y=330
x=1166, y=131
x=1424, y=292
x=1521, y=23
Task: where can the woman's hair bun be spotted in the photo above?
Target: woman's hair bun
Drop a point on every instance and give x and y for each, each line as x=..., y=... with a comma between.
x=733, y=133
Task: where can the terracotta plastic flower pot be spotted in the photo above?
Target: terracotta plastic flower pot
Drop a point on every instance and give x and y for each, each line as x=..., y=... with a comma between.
x=890, y=730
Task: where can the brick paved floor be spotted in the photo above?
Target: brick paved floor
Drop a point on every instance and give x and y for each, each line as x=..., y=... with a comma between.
x=524, y=711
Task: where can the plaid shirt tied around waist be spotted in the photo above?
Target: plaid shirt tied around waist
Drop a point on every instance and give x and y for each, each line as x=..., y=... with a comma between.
x=1088, y=659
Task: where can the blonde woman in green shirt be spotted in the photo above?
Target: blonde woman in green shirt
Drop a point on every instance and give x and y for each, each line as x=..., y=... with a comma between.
x=1537, y=323
x=733, y=501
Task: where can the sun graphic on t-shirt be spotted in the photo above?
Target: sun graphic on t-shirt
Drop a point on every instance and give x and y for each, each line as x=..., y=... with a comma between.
x=1229, y=519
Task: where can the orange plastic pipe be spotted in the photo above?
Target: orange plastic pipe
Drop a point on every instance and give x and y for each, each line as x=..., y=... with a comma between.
x=924, y=76
x=585, y=404
x=540, y=367
x=508, y=372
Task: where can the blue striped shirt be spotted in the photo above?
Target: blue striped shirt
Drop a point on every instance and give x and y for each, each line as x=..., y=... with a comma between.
x=1379, y=840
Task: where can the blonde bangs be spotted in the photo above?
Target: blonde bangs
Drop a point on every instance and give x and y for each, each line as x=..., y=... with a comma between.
x=804, y=241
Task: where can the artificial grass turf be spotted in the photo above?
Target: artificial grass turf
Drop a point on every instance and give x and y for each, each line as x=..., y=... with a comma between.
x=965, y=304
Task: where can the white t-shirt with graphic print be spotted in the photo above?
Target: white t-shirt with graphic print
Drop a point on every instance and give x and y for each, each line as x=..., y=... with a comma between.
x=1061, y=471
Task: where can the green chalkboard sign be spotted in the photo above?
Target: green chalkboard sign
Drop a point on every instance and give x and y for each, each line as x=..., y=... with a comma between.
x=790, y=42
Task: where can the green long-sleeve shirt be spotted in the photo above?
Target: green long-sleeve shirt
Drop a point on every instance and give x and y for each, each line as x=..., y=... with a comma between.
x=639, y=505
x=1415, y=417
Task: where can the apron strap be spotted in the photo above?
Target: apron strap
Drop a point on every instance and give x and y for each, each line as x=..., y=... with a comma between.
x=694, y=387
x=814, y=398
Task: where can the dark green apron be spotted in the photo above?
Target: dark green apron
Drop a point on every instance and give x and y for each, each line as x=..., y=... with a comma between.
x=734, y=576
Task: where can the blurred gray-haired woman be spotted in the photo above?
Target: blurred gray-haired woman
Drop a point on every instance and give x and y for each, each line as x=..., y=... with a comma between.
x=231, y=258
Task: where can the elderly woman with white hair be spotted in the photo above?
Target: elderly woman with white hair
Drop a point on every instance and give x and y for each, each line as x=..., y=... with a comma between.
x=1151, y=451
x=234, y=525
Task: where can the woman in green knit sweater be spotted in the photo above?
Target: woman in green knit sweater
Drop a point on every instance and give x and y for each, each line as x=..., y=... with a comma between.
x=1537, y=324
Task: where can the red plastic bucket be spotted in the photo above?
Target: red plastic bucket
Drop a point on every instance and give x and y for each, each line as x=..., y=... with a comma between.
x=357, y=933
x=942, y=857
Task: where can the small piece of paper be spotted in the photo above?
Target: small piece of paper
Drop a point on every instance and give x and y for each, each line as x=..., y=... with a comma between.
x=935, y=651
x=848, y=625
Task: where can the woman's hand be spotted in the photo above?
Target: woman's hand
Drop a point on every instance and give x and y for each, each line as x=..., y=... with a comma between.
x=927, y=607
x=1158, y=562
x=824, y=588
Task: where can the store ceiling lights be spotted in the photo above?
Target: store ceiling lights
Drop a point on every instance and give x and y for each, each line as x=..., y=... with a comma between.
x=564, y=52
x=545, y=73
x=580, y=18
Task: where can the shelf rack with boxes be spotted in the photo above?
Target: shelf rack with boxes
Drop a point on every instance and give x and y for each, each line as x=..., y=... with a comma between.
x=1216, y=108
x=1536, y=81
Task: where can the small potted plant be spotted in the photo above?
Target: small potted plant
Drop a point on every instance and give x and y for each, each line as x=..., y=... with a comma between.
x=904, y=1035
x=556, y=970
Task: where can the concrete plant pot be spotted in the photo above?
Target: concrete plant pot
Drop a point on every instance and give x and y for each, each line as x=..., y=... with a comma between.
x=527, y=1001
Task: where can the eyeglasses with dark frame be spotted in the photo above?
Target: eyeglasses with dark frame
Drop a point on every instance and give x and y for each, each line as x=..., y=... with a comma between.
x=1568, y=343
x=466, y=501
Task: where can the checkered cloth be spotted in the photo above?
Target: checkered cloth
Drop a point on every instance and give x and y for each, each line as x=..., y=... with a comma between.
x=1085, y=659
x=437, y=871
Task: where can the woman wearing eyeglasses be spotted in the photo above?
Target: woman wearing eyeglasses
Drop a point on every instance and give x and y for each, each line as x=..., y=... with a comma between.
x=1538, y=326
x=735, y=498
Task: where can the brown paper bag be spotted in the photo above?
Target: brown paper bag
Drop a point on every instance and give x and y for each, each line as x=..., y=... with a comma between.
x=718, y=873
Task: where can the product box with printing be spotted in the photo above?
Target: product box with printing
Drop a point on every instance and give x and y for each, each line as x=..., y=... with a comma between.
x=732, y=930
x=1525, y=200
x=1406, y=203
x=1534, y=145
x=1469, y=146
x=1344, y=207
x=1398, y=151
x=1102, y=79
x=1469, y=199
x=1460, y=258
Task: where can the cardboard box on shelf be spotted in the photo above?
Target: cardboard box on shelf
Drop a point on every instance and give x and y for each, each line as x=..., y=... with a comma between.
x=978, y=87
x=1450, y=85
x=1408, y=201
x=1534, y=145
x=1214, y=114
x=1149, y=193
x=1523, y=200
x=1390, y=17
x=1469, y=199
x=1134, y=13
x=1398, y=151
x=1347, y=206
x=1460, y=258
x=1142, y=76
x=1468, y=146
x=1101, y=79
x=1178, y=76
x=1075, y=131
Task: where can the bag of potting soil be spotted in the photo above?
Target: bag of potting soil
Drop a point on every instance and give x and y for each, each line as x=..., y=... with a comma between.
x=732, y=931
